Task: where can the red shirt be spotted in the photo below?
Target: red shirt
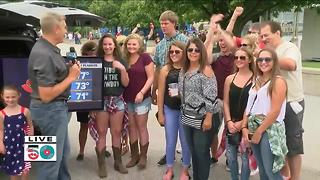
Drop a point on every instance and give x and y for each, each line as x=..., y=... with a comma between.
x=222, y=67
x=137, y=78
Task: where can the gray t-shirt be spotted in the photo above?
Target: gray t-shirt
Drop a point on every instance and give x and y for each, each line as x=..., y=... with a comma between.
x=46, y=68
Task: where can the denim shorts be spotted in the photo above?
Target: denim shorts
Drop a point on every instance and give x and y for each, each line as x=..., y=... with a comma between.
x=140, y=108
x=118, y=102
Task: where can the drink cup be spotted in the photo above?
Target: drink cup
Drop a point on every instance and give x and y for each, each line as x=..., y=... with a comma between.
x=173, y=89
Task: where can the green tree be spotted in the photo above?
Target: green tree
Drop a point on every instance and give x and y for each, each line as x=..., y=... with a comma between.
x=130, y=12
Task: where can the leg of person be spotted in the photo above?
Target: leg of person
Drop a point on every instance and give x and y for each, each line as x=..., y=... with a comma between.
x=14, y=177
x=116, y=120
x=171, y=132
x=267, y=158
x=133, y=136
x=141, y=117
x=185, y=152
x=141, y=121
x=102, y=120
x=257, y=154
x=232, y=157
x=189, y=133
x=294, y=137
x=245, y=169
x=63, y=170
x=25, y=175
x=82, y=139
x=202, y=141
x=215, y=140
x=52, y=119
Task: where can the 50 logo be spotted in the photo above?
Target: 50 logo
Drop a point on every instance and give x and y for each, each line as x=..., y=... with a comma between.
x=40, y=148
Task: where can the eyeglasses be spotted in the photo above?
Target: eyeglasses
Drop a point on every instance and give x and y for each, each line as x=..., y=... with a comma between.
x=265, y=59
x=244, y=45
x=242, y=58
x=196, y=50
x=174, y=51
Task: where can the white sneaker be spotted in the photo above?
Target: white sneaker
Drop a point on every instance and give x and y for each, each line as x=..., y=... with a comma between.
x=254, y=172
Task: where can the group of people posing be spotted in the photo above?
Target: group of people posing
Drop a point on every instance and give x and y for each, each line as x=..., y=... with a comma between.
x=254, y=84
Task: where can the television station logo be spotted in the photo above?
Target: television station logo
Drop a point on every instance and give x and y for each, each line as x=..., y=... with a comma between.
x=40, y=148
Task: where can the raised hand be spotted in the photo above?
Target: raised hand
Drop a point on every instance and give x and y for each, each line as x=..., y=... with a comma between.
x=238, y=11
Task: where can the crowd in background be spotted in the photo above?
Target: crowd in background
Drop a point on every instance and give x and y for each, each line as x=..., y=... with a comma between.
x=253, y=86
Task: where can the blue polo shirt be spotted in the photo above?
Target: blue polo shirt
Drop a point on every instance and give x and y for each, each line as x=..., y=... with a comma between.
x=160, y=56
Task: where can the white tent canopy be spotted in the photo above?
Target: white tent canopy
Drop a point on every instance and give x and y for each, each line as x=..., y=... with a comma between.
x=31, y=11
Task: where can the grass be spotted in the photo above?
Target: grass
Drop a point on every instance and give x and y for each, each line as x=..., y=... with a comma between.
x=311, y=64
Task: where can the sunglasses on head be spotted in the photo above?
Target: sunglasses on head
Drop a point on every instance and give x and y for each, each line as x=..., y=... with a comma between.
x=240, y=57
x=174, y=51
x=265, y=59
x=196, y=50
x=253, y=32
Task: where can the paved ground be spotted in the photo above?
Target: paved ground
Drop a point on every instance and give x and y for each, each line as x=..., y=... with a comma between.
x=87, y=169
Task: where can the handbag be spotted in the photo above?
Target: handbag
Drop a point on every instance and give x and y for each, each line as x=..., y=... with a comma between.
x=234, y=138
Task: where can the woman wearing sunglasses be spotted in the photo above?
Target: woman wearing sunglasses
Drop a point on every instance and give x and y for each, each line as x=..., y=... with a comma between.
x=251, y=42
x=198, y=92
x=169, y=114
x=263, y=119
x=236, y=94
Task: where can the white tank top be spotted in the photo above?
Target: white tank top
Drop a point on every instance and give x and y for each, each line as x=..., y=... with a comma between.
x=262, y=104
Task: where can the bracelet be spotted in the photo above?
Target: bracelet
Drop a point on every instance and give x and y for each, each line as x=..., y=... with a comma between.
x=243, y=128
x=141, y=93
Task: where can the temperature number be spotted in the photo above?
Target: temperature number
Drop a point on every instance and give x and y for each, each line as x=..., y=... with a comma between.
x=85, y=75
x=82, y=85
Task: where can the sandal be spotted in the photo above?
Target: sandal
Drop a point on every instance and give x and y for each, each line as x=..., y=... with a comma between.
x=168, y=176
x=184, y=176
x=80, y=157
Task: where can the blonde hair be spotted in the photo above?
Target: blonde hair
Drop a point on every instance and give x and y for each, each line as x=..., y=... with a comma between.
x=140, y=41
x=252, y=40
x=49, y=20
x=170, y=16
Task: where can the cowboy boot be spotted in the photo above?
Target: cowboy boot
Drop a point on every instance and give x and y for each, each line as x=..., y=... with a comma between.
x=118, y=166
x=134, y=155
x=143, y=156
x=101, y=163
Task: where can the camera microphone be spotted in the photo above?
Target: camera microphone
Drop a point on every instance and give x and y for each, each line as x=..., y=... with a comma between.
x=72, y=55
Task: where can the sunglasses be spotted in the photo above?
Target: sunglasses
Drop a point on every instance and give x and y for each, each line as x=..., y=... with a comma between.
x=252, y=32
x=196, y=50
x=244, y=45
x=174, y=51
x=266, y=59
x=242, y=58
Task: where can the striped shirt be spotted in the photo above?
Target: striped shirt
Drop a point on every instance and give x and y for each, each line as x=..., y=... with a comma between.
x=160, y=56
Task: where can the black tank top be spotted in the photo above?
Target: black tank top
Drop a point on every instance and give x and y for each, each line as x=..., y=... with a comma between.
x=238, y=104
x=172, y=77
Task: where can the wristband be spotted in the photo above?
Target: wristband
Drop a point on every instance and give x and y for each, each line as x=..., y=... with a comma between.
x=244, y=128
